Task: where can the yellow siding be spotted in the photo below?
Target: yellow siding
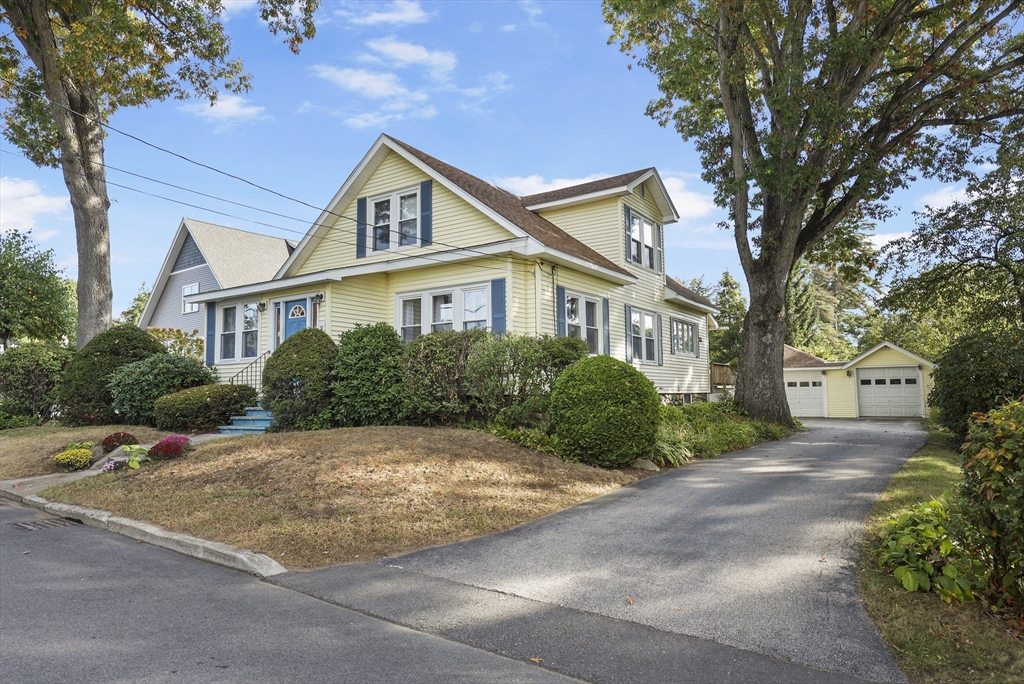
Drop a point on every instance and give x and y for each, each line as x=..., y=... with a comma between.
x=455, y=222
x=596, y=224
x=842, y=390
x=886, y=357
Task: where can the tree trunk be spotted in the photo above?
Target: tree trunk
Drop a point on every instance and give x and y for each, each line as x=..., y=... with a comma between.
x=760, y=386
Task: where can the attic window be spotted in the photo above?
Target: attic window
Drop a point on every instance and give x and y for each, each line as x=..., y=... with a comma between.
x=395, y=220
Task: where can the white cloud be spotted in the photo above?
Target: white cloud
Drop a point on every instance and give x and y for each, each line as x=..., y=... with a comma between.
x=234, y=7
x=226, y=111
x=689, y=204
x=438, y=64
x=880, y=240
x=372, y=84
x=533, y=12
x=532, y=185
x=943, y=197
x=23, y=202
x=508, y=28
x=397, y=12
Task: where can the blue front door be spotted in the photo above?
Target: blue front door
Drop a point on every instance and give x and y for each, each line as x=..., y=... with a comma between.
x=294, y=317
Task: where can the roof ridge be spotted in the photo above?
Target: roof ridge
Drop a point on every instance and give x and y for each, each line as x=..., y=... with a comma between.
x=575, y=190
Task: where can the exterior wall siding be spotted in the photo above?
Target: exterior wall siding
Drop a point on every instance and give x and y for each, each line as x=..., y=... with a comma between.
x=454, y=222
x=842, y=390
x=168, y=310
x=595, y=224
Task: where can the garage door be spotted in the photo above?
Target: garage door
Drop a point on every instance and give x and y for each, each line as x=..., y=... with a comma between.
x=888, y=392
x=805, y=393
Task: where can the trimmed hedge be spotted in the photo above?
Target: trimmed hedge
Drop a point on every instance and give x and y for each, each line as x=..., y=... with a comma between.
x=605, y=412
x=978, y=373
x=369, y=377
x=84, y=393
x=30, y=377
x=297, y=381
x=437, y=375
x=136, y=386
x=202, y=408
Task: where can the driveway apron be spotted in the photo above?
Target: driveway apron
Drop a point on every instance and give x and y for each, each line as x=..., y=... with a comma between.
x=754, y=550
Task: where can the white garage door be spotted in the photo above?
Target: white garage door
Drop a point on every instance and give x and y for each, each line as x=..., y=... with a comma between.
x=805, y=393
x=888, y=392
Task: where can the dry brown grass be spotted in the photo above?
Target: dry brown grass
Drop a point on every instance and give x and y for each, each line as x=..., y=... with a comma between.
x=314, y=499
x=29, y=451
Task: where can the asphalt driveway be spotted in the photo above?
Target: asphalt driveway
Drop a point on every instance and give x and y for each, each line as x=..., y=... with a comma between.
x=754, y=550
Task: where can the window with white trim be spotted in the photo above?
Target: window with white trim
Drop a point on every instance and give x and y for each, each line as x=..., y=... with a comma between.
x=642, y=235
x=642, y=334
x=581, y=319
x=465, y=307
x=684, y=337
x=239, y=331
x=395, y=219
x=187, y=307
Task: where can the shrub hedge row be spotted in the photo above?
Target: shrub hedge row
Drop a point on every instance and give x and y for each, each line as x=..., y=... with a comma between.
x=202, y=408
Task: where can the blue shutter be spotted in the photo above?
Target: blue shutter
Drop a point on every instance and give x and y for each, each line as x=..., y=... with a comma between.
x=497, y=305
x=671, y=335
x=426, y=215
x=211, y=331
x=696, y=332
x=606, y=314
x=360, y=227
x=659, y=247
x=629, y=335
x=661, y=361
x=560, y=307
x=629, y=243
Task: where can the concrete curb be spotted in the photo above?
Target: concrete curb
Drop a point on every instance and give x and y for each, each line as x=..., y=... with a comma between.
x=203, y=549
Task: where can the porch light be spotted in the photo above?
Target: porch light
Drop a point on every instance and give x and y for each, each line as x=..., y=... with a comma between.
x=919, y=367
x=848, y=373
x=261, y=307
x=319, y=297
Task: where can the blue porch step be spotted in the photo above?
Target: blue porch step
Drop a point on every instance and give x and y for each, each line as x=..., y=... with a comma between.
x=255, y=421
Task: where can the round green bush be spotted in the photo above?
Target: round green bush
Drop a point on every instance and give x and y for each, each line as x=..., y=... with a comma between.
x=73, y=459
x=136, y=386
x=202, y=408
x=84, y=394
x=605, y=412
x=30, y=376
x=976, y=374
x=369, y=377
x=297, y=381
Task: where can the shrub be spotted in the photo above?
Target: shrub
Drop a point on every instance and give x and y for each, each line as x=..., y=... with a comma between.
x=136, y=386
x=169, y=447
x=369, y=377
x=991, y=499
x=705, y=429
x=920, y=553
x=11, y=417
x=179, y=342
x=297, y=381
x=436, y=374
x=117, y=439
x=978, y=373
x=532, y=438
x=510, y=375
x=73, y=459
x=202, y=408
x=84, y=394
x=30, y=376
x=605, y=412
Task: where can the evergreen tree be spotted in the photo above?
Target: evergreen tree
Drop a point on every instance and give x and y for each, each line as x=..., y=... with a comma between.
x=801, y=309
x=732, y=307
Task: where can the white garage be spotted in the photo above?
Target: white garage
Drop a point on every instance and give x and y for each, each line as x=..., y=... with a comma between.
x=805, y=392
x=889, y=392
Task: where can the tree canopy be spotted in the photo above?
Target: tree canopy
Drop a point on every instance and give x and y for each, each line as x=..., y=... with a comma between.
x=808, y=114
x=34, y=301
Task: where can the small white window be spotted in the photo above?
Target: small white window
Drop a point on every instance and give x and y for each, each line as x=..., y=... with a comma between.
x=442, y=317
x=412, y=319
x=684, y=337
x=643, y=236
x=474, y=312
x=239, y=331
x=227, y=332
x=396, y=220
x=642, y=333
x=581, y=314
x=250, y=331
x=186, y=307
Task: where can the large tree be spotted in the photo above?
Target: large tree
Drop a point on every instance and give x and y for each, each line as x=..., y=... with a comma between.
x=67, y=65
x=34, y=301
x=805, y=113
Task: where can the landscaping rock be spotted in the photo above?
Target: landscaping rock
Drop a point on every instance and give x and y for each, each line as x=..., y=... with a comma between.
x=645, y=464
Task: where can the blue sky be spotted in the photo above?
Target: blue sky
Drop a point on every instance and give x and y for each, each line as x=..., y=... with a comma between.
x=527, y=95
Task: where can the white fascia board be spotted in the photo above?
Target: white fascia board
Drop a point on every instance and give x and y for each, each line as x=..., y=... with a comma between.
x=165, y=272
x=259, y=288
x=882, y=345
x=815, y=368
x=536, y=248
x=712, y=323
x=668, y=209
x=581, y=199
x=671, y=296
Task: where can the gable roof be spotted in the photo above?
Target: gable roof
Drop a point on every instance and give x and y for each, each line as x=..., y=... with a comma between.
x=511, y=207
x=687, y=293
x=889, y=345
x=584, y=188
x=794, y=358
x=236, y=257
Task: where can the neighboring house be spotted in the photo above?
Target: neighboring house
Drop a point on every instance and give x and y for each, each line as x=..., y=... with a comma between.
x=204, y=257
x=885, y=381
x=424, y=246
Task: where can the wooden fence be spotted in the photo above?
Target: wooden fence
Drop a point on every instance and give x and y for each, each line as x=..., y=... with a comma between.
x=722, y=376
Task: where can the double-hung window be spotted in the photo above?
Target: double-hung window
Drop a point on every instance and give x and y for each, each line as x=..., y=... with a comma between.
x=684, y=337
x=187, y=307
x=239, y=331
x=457, y=308
x=395, y=220
x=643, y=236
x=581, y=315
x=642, y=334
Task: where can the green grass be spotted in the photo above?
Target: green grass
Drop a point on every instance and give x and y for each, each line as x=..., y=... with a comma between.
x=933, y=641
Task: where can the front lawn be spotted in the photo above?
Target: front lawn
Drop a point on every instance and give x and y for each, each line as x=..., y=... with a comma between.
x=29, y=451
x=313, y=499
x=933, y=641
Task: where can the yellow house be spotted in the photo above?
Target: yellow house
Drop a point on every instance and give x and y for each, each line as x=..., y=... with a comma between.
x=885, y=381
x=420, y=244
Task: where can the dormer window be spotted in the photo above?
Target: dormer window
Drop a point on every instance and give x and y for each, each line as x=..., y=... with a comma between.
x=395, y=220
x=643, y=241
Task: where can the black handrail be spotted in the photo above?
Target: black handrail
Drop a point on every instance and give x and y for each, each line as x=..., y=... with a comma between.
x=251, y=375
